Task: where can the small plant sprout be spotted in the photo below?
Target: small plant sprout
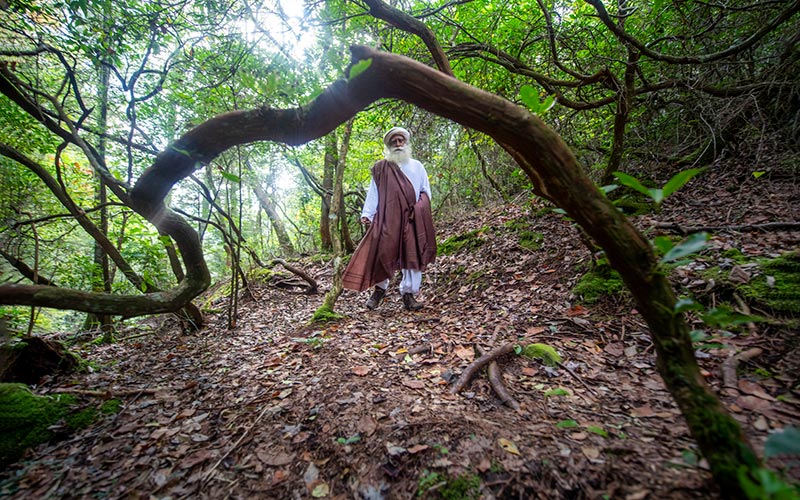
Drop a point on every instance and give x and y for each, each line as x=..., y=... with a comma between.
x=658, y=195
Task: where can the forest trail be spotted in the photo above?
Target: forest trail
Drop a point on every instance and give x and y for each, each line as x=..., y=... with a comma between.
x=277, y=409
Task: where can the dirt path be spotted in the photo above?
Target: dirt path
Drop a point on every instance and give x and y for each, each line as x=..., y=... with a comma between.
x=276, y=409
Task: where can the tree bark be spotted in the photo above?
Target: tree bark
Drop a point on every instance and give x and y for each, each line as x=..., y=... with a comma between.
x=277, y=224
x=328, y=168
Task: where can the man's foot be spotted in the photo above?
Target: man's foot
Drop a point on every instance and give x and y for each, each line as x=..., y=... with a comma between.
x=377, y=297
x=411, y=303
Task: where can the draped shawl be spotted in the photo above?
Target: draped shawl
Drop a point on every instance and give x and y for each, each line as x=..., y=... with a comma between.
x=401, y=235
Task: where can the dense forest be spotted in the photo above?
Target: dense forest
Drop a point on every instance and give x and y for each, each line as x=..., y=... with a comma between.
x=188, y=177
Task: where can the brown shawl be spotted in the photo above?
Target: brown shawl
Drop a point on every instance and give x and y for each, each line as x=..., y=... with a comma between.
x=401, y=235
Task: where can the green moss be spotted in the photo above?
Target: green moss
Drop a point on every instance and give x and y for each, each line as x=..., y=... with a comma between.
x=324, y=314
x=464, y=486
x=111, y=406
x=778, y=285
x=531, y=240
x=631, y=206
x=543, y=353
x=81, y=419
x=602, y=280
x=25, y=419
x=466, y=241
x=734, y=254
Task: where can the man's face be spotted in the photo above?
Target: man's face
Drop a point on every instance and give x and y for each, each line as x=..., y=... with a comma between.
x=397, y=142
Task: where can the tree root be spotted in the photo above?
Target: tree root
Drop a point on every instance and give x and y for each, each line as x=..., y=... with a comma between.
x=730, y=381
x=476, y=366
x=496, y=379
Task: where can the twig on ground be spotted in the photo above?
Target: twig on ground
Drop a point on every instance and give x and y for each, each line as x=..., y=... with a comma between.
x=207, y=474
x=578, y=378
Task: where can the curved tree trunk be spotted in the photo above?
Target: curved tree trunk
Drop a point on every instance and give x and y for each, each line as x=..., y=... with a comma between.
x=540, y=152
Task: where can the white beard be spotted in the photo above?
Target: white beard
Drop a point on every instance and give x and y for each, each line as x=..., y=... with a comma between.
x=398, y=155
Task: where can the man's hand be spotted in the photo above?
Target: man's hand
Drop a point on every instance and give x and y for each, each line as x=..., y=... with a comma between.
x=366, y=221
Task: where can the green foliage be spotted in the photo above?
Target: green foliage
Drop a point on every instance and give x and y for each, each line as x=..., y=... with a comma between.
x=25, y=419
x=531, y=240
x=462, y=487
x=542, y=352
x=658, y=195
x=692, y=244
x=763, y=484
x=567, y=424
x=786, y=442
x=530, y=97
x=466, y=241
x=600, y=281
x=359, y=67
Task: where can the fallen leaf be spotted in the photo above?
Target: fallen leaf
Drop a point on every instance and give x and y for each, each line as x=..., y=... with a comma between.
x=615, y=349
x=321, y=490
x=417, y=448
x=509, y=446
x=279, y=476
x=273, y=458
x=394, y=450
x=754, y=389
x=590, y=452
x=413, y=383
x=642, y=412
x=465, y=353
x=195, y=458
x=366, y=425
x=360, y=370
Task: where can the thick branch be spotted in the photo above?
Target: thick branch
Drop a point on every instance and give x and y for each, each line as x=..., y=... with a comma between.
x=620, y=33
x=410, y=24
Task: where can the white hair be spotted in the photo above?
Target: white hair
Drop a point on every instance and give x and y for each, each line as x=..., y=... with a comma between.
x=397, y=154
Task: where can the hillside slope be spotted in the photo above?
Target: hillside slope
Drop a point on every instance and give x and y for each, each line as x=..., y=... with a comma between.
x=361, y=408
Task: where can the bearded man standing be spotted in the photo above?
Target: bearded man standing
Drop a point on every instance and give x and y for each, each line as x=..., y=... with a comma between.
x=400, y=232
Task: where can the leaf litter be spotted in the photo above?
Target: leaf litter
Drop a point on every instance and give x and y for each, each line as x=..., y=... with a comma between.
x=366, y=413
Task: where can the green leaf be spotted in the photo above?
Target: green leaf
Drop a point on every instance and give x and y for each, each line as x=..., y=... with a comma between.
x=597, y=430
x=786, y=442
x=663, y=244
x=530, y=96
x=694, y=243
x=679, y=180
x=231, y=177
x=686, y=304
x=567, y=424
x=359, y=67
x=698, y=335
x=632, y=182
x=607, y=189
x=557, y=392
x=722, y=316
x=758, y=173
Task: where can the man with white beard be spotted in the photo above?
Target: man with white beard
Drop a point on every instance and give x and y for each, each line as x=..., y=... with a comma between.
x=400, y=235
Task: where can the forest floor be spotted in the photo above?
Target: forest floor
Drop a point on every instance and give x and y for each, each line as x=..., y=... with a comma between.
x=361, y=408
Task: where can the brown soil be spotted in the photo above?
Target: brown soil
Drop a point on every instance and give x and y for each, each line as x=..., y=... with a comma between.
x=278, y=409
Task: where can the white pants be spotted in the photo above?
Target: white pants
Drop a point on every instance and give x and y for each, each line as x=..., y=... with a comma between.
x=412, y=279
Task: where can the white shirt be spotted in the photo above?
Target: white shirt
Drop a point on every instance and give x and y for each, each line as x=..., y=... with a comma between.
x=415, y=172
